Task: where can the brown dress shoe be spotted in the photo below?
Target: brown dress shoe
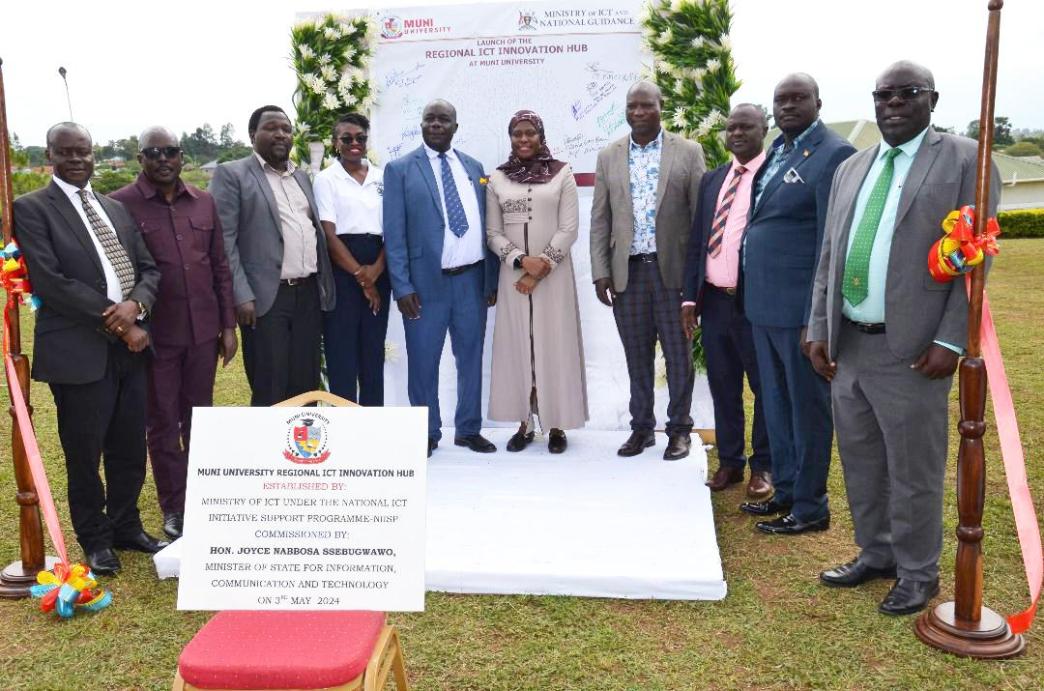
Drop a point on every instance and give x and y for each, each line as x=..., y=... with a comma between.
x=724, y=477
x=760, y=485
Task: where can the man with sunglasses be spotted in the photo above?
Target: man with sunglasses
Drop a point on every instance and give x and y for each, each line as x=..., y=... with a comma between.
x=888, y=337
x=281, y=279
x=193, y=320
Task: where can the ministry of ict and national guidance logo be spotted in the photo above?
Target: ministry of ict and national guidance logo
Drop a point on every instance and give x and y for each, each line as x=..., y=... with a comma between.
x=391, y=26
x=306, y=438
x=527, y=20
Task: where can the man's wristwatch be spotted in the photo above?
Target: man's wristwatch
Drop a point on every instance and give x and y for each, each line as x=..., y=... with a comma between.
x=518, y=262
x=143, y=311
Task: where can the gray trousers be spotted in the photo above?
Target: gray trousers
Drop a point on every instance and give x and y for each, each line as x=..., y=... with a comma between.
x=892, y=431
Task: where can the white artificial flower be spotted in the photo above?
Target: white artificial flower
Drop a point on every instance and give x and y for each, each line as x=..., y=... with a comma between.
x=713, y=65
x=328, y=73
x=697, y=42
x=668, y=36
x=348, y=98
x=349, y=53
x=662, y=67
x=306, y=51
x=697, y=74
x=679, y=119
x=314, y=83
x=347, y=29
x=331, y=33
x=726, y=43
x=703, y=129
x=676, y=5
x=678, y=86
x=324, y=59
x=330, y=101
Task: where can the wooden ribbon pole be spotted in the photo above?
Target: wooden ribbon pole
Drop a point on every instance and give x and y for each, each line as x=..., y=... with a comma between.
x=964, y=626
x=18, y=576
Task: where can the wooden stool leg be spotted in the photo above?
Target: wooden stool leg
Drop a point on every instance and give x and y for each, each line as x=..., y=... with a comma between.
x=399, y=664
x=179, y=683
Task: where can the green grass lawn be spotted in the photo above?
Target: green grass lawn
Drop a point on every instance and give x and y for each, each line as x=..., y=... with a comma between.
x=778, y=628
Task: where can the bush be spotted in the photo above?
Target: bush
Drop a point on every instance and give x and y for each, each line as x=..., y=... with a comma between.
x=109, y=180
x=1023, y=223
x=1023, y=148
x=25, y=182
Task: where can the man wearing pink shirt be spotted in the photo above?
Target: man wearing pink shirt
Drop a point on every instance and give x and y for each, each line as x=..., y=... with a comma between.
x=709, y=299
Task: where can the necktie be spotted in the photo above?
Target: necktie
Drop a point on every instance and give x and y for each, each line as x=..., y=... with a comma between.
x=114, y=251
x=857, y=265
x=458, y=222
x=722, y=214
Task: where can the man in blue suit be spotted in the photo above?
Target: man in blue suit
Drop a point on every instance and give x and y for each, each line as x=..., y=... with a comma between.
x=780, y=251
x=442, y=275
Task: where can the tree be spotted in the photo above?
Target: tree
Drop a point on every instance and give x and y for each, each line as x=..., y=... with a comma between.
x=1001, y=131
x=227, y=138
x=201, y=144
x=940, y=128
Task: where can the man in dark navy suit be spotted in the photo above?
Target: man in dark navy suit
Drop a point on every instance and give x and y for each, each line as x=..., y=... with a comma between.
x=709, y=300
x=780, y=251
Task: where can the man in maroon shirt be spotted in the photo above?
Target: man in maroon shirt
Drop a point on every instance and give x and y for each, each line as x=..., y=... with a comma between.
x=193, y=320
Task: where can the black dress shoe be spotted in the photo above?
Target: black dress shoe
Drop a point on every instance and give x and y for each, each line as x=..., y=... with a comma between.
x=765, y=508
x=724, y=477
x=556, y=441
x=678, y=446
x=142, y=542
x=519, y=440
x=636, y=443
x=432, y=445
x=855, y=572
x=103, y=562
x=173, y=525
x=476, y=442
x=908, y=596
x=788, y=525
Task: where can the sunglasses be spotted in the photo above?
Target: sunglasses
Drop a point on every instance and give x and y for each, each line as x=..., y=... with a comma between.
x=154, y=152
x=348, y=139
x=906, y=93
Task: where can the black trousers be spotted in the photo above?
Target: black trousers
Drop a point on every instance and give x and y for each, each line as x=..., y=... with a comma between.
x=728, y=345
x=281, y=352
x=104, y=421
x=353, y=336
x=647, y=312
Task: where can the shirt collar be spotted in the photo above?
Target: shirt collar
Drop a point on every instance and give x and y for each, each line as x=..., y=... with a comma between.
x=654, y=144
x=149, y=190
x=752, y=165
x=909, y=148
x=71, y=191
x=433, y=154
x=372, y=172
x=781, y=140
x=290, y=167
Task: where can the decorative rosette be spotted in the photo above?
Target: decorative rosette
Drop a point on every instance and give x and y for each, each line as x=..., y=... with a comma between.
x=66, y=589
x=14, y=276
x=959, y=250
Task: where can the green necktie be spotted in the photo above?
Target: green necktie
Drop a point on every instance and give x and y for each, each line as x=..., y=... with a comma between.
x=857, y=265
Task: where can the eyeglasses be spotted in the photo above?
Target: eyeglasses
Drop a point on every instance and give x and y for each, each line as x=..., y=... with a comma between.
x=906, y=93
x=154, y=152
x=348, y=139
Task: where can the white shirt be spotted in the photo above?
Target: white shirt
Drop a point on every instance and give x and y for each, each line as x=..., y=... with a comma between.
x=112, y=283
x=300, y=244
x=354, y=208
x=471, y=246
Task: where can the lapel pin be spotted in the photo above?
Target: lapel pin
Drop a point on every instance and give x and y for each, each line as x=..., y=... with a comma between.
x=805, y=153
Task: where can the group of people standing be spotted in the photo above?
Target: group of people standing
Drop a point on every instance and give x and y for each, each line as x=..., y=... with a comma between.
x=803, y=266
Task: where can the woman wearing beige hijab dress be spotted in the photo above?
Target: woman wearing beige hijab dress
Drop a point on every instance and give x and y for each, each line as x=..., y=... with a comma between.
x=538, y=355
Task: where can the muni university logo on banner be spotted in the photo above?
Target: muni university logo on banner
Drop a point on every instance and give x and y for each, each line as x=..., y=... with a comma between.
x=306, y=438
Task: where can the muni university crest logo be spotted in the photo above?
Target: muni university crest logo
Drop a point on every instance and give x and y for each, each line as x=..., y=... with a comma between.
x=306, y=438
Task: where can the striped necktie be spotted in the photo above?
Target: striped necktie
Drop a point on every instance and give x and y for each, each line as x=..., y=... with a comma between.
x=458, y=221
x=114, y=251
x=857, y=265
x=722, y=215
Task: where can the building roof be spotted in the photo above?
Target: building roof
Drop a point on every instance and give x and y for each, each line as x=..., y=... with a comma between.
x=863, y=134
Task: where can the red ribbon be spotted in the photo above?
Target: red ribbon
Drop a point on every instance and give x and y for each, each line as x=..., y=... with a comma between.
x=1014, y=466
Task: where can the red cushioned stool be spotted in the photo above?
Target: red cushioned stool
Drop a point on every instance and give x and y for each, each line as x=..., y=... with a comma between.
x=243, y=650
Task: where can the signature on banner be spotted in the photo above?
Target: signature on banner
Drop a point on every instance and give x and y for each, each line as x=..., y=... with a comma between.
x=597, y=93
x=611, y=119
x=404, y=77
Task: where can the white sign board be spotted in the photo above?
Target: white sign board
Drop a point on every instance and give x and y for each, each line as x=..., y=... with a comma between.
x=305, y=508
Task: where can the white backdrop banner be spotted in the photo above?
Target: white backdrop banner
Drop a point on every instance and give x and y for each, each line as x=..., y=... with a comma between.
x=571, y=62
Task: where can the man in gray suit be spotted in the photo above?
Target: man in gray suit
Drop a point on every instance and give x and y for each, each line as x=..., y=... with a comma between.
x=888, y=337
x=277, y=254
x=646, y=187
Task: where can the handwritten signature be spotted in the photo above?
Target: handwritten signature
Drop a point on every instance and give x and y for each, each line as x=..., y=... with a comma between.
x=598, y=93
x=404, y=78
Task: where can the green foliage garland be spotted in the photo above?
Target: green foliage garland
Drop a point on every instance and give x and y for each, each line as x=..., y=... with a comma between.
x=693, y=66
x=330, y=55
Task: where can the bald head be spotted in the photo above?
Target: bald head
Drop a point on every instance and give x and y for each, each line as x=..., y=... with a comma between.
x=646, y=88
x=157, y=135
x=750, y=110
x=795, y=104
x=644, y=106
x=904, y=98
x=911, y=70
x=74, y=127
x=439, y=124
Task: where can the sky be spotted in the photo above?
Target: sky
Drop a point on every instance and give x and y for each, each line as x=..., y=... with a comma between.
x=131, y=65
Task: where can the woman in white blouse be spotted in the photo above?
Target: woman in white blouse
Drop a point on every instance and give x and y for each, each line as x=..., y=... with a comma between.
x=349, y=197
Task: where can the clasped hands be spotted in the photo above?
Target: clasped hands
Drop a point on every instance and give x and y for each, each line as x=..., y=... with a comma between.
x=366, y=276
x=936, y=362
x=534, y=269
x=121, y=320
